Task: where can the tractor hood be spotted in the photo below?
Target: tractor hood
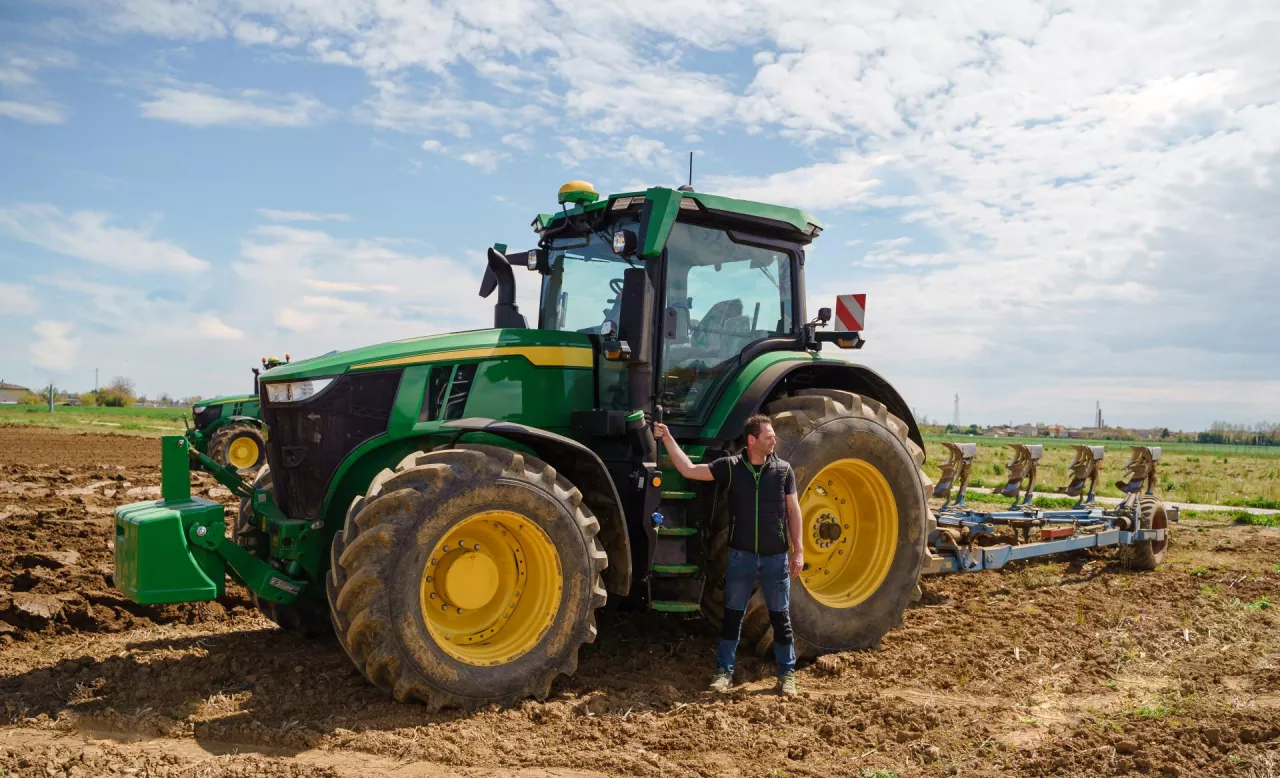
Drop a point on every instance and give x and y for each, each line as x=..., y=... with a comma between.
x=541, y=347
x=231, y=398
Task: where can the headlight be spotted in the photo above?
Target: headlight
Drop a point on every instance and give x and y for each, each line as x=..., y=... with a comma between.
x=198, y=409
x=296, y=391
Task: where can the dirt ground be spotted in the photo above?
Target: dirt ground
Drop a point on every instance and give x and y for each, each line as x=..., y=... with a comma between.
x=1071, y=667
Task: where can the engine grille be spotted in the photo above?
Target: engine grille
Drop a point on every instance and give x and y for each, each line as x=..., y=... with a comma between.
x=307, y=441
x=208, y=416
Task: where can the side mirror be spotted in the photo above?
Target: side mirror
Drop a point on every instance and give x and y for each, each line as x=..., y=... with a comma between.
x=635, y=319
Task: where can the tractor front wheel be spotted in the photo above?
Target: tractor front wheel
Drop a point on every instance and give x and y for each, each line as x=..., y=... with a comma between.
x=864, y=523
x=467, y=577
x=239, y=444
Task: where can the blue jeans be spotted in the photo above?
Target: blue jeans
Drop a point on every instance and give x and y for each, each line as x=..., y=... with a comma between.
x=745, y=568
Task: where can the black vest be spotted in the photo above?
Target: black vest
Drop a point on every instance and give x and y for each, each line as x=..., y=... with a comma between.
x=757, y=502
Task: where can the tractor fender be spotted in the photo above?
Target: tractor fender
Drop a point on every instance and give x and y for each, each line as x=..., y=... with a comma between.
x=787, y=376
x=585, y=470
x=233, y=419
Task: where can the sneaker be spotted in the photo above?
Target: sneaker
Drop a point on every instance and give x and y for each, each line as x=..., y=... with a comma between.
x=721, y=681
x=787, y=685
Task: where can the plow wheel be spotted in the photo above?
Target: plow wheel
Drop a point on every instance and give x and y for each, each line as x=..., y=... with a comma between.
x=467, y=577
x=239, y=444
x=307, y=615
x=864, y=524
x=1148, y=554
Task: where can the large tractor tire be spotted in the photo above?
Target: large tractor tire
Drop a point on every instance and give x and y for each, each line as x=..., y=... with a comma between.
x=1149, y=554
x=307, y=616
x=240, y=444
x=865, y=518
x=466, y=577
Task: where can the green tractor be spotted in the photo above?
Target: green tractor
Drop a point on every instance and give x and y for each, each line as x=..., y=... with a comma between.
x=229, y=430
x=456, y=507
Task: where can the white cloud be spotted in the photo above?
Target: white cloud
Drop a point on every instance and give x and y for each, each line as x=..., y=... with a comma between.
x=518, y=140
x=251, y=33
x=824, y=186
x=54, y=347
x=302, y=216
x=276, y=260
x=33, y=113
x=21, y=95
x=87, y=235
x=204, y=106
x=213, y=328
x=634, y=152
x=346, y=286
x=15, y=76
x=195, y=19
x=17, y=300
x=486, y=160
x=327, y=303
x=397, y=106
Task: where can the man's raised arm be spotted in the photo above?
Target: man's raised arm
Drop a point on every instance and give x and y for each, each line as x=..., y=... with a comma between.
x=680, y=459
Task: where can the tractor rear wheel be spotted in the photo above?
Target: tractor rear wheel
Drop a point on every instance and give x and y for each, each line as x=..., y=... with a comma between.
x=864, y=522
x=308, y=615
x=466, y=577
x=240, y=444
x=1148, y=554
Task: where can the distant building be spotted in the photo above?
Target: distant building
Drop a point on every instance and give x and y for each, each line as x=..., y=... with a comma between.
x=12, y=393
x=1028, y=430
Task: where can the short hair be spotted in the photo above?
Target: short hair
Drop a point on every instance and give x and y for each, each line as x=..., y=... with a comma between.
x=752, y=426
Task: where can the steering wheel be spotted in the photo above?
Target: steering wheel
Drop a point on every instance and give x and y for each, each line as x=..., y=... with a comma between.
x=615, y=286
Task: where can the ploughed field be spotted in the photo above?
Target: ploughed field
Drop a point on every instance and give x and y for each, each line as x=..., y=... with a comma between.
x=1075, y=666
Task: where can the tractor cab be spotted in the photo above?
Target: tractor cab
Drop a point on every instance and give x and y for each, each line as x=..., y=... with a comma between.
x=673, y=284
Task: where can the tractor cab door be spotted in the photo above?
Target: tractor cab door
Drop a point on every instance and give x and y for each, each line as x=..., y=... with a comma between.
x=720, y=297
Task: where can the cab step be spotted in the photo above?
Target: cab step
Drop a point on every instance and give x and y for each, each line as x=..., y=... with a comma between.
x=675, y=569
x=672, y=532
x=675, y=606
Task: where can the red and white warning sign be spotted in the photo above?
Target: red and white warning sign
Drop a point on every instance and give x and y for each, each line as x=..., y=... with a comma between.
x=851, y=312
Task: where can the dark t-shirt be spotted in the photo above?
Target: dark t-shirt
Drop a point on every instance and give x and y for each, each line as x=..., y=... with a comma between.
x=757, y=502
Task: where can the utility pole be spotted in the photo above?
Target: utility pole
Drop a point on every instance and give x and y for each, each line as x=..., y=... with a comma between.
x=95, y=382
x=955, y=415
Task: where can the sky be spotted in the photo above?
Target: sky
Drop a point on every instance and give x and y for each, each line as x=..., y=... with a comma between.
x=1048, y=204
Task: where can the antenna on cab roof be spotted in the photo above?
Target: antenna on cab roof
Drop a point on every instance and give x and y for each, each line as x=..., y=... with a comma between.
x=689, y=186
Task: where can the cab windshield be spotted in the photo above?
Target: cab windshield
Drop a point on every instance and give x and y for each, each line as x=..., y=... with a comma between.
x=721, y=296
x=584, y=285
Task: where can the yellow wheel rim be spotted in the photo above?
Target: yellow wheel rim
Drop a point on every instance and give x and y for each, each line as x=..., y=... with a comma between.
x=243, y=453
x=491, y=588
x=850, y=530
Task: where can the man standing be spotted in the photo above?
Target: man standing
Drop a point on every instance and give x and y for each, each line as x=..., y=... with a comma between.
x=764, y=511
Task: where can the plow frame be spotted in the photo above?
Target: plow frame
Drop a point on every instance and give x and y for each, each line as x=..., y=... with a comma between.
x=954, y=542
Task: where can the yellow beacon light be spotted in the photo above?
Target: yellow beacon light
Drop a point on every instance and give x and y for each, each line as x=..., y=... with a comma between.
x=578, y=193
